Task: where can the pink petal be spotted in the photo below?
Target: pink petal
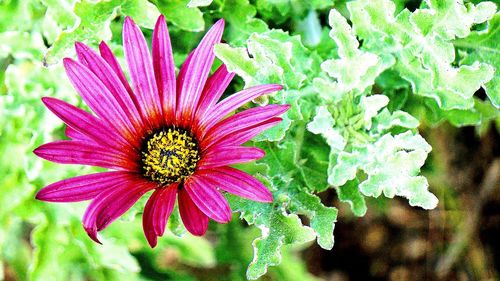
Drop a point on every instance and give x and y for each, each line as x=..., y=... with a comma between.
x=84, y=153
x=182, y=73
x=111, y=80
x=194, y=220
x=76, y=135
x=241, y=120
x=97, y=97
x=110, y=58
x=141, y=72
x=164, y=68
x=233, y=102
x=112, y=203
x=237, y=182
x=208, y=200
x=81, y=188
x=198, y=69
x=242, y=136
x=213, y=90
x=87, y=124
x=223, y=156
x=179, y=82
x=157, y=211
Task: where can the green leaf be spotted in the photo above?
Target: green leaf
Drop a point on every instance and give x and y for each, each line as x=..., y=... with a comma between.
x=276, y=57
x=281, y=10
x=368, y=153
x=92, y=26
x=324, y=124
x=240, y=16
x=428, y=110
x=310, y=29
x=392, y=165
x=277, y=132
x=199, y=3
x=143, y=12
x=93, y=23
x=58, y=17
x=421, y=42
x=349, y=193
x=279, y=222
x=314, y=162
x=182, y=16
x=194, y=251
x=55, y=247
x=385, y=120
x=283, y=228
x=482, y=46
x=355, y=69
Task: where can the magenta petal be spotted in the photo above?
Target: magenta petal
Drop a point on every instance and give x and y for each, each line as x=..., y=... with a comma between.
x=242, y=120
x=223, y=156
x=122, y=202
x=213, y=90
x=81, y=188
x=196, y=73
x=110, y=58
x=208, y=199
x=84, y=153
x=164, y=68
x=195, y=221
x=236, y=100
x=157, y=211
x=110, y=79
x=76, y=135
x=86, y=123
x=141, y=72
x=242, y=136
x=112, y=203
x=97, y=97
x=237, y=182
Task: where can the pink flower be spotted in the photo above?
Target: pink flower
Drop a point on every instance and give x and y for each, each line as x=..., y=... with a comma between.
x=163, y=134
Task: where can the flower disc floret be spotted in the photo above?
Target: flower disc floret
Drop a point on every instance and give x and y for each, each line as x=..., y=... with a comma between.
x=169, y=155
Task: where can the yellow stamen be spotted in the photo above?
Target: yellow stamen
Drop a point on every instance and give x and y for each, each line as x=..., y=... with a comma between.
x=170, y=155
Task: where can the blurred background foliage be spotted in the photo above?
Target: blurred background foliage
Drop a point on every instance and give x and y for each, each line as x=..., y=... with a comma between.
x=373, y=85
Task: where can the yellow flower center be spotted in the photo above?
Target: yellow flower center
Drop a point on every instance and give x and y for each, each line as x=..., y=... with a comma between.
x=169, y=155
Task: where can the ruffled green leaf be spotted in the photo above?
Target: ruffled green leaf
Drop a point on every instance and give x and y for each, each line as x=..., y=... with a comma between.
x=482, y=46
x=350, y=194
x=240, y=16
x=181, y=15
x=281, y=10
x=278, y=222
x=355, y=69
x=93, y=23
x=366, y=158
x=199, y=3
x=421, y=43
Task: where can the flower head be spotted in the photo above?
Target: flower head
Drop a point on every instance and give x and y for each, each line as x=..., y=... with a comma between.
x=163, y=133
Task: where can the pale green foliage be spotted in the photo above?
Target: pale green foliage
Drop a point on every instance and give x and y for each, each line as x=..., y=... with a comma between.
x=178, y=12
x=358, y=130
x=91, y=22
x=357, y=96
x=240, y=16
x=421, y=43
x=198, y=3
x=279, y=222
x=483, y=46
x=355, y=70
x=276, y=57
x=280, y=10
